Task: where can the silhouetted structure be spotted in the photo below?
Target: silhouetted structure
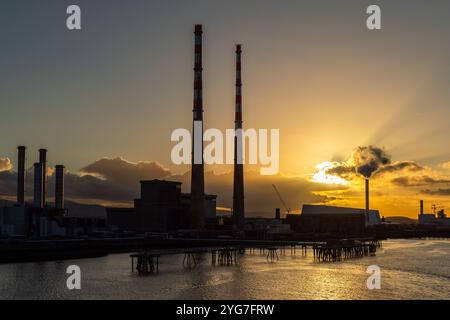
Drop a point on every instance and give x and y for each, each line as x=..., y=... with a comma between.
x=367, y=201
x=197, y=170
x=59, y=187
x=38, y=182
x=436, y=218
x=21, y=175
x=209, y=205
x=161, y=208
x=238, y=182
x=277, y=214
x=43, y=162
x=330, y=221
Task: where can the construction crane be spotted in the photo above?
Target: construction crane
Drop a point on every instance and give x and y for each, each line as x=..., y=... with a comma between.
x=288, y=210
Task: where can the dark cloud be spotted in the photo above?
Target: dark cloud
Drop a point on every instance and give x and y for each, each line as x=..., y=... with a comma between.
x=121, y=171
x=117, y=181
x=438, y=192
x=399, y=166
x=417, y=181
x=92, y=188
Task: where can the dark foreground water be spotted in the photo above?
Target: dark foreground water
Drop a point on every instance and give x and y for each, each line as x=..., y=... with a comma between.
x=410, y=269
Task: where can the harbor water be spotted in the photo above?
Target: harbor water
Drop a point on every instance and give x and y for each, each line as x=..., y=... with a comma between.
x=410, y=269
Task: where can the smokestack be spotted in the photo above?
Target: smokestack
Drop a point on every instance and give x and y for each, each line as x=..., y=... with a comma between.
x=421, y=206
x=38, y=184
x=277, y=214
x=197, y=171
x=43, y=162
x=21, y=175
x=367, y=200
x=59, y=187
x=238, y=185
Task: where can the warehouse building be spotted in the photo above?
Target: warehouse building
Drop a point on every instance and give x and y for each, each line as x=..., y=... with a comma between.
x=332, y=221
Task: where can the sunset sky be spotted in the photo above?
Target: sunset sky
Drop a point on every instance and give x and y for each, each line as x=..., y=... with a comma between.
x=120, y=86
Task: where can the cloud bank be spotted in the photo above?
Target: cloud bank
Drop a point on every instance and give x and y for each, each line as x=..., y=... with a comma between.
x=115, y=181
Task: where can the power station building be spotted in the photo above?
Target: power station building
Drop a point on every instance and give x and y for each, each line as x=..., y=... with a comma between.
x=35, y=219
x=332, y=221
x=162, y=207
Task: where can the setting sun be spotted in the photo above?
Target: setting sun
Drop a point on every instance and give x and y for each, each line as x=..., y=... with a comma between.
x=323, y=177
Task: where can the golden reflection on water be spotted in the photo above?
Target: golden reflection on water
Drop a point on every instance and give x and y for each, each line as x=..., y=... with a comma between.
x=410, y=270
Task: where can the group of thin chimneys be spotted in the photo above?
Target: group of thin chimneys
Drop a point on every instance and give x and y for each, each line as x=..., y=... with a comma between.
x=197, y=171
x=40, y=180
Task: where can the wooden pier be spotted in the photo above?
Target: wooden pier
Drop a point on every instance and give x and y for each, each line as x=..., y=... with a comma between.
x=145, y=262
x=272, y=255
x=339, y=250
x=223, y=256
x=192, y=258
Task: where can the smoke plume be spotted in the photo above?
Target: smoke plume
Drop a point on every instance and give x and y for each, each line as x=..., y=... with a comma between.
x=367, y=160
x=364, y=160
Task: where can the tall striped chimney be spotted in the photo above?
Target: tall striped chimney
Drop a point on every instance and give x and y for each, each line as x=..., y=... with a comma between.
x=21, y=175
x=197, y=211
x=43, y=162
x=59, y=187
x=238, y=185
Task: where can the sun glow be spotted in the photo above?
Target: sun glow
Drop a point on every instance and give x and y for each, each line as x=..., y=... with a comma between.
x=323, y=177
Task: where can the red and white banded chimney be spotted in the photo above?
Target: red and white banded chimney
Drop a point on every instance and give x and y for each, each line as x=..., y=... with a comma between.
x=238, y=183
x=197, y=211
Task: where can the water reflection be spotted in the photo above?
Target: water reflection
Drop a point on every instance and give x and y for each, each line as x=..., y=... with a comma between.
x=410, y=270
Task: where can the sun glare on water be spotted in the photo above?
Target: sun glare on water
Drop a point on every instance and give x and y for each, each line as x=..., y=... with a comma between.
x=323, y=177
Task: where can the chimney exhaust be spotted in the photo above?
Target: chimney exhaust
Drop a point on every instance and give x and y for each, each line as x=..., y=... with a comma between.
x=21, y=175
x=59, y=187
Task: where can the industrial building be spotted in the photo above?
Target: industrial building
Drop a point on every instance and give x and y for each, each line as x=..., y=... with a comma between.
x=438, y=218
x=332, y=221
x=36, y=219
x=162, y=207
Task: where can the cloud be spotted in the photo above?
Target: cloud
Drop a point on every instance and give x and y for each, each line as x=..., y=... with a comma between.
x=417, y=181
x=117, y=181
x=121, y=171
x=438, y=192
x=399, y=166
x=5, y=164
x=445, y=165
